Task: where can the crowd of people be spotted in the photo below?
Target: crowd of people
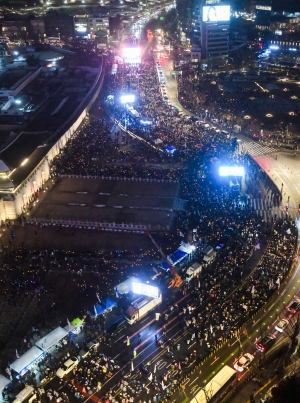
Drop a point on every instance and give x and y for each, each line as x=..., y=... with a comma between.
x=216, y=216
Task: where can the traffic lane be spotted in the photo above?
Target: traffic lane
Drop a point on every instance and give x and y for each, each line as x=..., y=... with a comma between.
x=269, y=316
x=231, y=352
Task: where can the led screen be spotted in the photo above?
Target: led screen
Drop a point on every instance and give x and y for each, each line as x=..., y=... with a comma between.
x=127, y=98
x=231, y=171
x=145, y=289
x=216, y=13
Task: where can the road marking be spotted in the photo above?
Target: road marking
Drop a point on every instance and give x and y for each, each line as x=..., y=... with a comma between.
x=192, y=345
x=144, y=320
x=214, y=361
x=186, y=381
x=116, y=356
x=193, y=382
x=120, y=338
x=161, y=365
x=234, y=343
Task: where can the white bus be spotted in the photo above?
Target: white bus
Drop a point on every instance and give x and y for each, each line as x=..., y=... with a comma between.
x=214, y=387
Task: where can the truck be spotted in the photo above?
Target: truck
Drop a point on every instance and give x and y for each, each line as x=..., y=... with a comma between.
x=209, y=255
x=192, y=271
x=141, y=307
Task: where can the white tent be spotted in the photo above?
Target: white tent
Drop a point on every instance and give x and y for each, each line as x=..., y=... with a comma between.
x=26, y=359
x=125, y=286
x=3, y=382
x=51, y=338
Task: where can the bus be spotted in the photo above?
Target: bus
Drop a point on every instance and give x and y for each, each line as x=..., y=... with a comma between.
x=214, y=387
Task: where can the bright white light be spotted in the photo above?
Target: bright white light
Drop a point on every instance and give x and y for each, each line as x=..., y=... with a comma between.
x=231, y=171
x=216, y=13
x=24, y=162
x=274, y=47
x=127, y=98
x=18, y=101
x=145, y=289
x=132, y=55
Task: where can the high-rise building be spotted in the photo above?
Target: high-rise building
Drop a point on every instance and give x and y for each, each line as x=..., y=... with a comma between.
x=263, y=10
x=215, y=22
x=266, y=9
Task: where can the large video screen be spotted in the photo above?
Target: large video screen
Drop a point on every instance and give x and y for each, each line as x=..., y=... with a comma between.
x=216, y=13
x=231, y=171
x=145, y=289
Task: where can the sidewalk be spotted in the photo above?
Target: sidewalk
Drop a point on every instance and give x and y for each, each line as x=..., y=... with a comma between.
x=252, y=388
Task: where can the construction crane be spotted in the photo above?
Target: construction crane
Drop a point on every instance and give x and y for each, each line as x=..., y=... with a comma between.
x=176, y=281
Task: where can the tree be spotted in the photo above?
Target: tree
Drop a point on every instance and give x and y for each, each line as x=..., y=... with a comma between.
x=287, y=390
x=33, y=61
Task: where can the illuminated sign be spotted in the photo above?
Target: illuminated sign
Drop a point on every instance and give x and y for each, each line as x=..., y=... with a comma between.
x=265, y=8
x=127, y=98
x=231, y=171
x=216, y=13
x=145, y=289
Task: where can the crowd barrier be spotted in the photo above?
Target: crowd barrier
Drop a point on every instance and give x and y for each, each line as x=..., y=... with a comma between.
x=94, y=225
x=119, y=178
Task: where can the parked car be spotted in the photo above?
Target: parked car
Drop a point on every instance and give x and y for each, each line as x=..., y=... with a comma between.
x=116, y=327
x=293, y=306
x=85, y=351
x=265, y=343
x=281, y=325
x=67, y=367
x=243, y=362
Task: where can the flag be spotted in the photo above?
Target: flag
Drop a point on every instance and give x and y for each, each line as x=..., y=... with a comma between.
x=69, y=324
x=131, y=366
x=8, y=371
x=17, y=355
x=179, y=366
x=117, y=293
x=97, y=295
x=181, y=234
x=95, y=310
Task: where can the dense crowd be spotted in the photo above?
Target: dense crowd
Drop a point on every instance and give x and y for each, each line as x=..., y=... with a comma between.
x=216, y=216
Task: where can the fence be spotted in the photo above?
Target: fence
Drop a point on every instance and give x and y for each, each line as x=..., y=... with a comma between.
x=119, y=178
x=94, y=225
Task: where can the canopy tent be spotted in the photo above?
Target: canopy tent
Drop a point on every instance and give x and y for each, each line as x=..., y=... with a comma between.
x=177, y=256
x=106, y=305
x=171, y=149
x=77, y=322
x=52, y=338
x=27, y=359
x=3, y=382
x=125, y=286
x=184, y=250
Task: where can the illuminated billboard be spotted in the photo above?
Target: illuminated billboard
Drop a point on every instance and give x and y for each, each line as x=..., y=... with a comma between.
x=145, y=289
x=132, y=55
x=127, y=98
x=215, y=13
x=231, y=171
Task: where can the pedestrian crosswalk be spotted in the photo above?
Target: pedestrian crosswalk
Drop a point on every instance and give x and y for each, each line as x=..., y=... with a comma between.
x=268, y=211
x=256, y=149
